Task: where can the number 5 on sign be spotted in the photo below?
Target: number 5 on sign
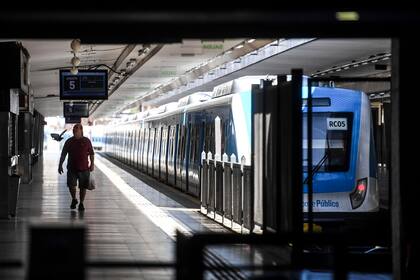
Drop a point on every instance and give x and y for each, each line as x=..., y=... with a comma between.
x=72, y=85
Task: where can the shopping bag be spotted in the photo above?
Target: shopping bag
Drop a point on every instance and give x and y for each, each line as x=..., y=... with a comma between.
x=92, y=184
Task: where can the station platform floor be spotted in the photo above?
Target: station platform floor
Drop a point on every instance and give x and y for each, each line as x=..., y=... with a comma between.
x=126, y=220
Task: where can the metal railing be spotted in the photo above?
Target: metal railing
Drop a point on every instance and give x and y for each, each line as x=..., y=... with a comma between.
x=227, y=191
x=340, y=261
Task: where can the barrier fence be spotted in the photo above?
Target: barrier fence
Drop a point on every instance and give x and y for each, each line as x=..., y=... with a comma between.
x=226, y=190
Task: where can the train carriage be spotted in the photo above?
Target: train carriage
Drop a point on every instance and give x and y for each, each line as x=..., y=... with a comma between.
x=167, y=143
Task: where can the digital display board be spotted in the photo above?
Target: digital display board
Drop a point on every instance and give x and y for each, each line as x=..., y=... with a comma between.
x=85, y=85
x=76, y=109
x=73, y=120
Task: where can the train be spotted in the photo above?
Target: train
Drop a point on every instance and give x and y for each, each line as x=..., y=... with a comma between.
x=167, y=142
x=344, y=161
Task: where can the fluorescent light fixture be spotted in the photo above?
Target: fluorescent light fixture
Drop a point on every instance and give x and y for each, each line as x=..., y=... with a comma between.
x=347, y=16
x=250, y=40
x=239, y=46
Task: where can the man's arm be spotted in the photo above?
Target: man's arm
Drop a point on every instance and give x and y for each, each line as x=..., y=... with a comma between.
x=91, y=157
x=62, y=158
x=92, y=162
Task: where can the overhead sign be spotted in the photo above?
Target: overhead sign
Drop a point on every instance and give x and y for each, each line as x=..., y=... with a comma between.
x=73, y=119
x=85, y=85
x=76, y=109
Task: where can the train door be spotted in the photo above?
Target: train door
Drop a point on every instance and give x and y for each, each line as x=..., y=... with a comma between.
x=194, y=160
x=125, y=146
x=140, y=163
x=180, y=154
x=137, y=156
x=172, y=154
x=150, y=151
x=126, y=138
x=133, y=156
x=209, y=143
x=185, y=157
x=145, y=149
x=129, y=146
x=156, y=153
x=163, y=154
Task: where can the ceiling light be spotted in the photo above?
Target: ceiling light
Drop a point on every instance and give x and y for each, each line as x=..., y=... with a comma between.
x=75, y=61
x=75, y=45
x=250, y=40
x=239, y=46
x=146, y=48
x=74, y=70
x=347, y=16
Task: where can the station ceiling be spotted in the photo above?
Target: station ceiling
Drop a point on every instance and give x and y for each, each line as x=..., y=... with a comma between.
x=167, y=62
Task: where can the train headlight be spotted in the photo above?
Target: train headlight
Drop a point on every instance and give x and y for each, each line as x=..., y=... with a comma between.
x=359, y=193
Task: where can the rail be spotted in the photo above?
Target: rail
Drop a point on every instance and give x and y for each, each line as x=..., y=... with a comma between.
x=226, y=191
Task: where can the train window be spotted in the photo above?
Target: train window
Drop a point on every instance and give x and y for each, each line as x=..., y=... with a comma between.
x=318, y=102
x=197, y=152
x=193, y=142
x=331, y=141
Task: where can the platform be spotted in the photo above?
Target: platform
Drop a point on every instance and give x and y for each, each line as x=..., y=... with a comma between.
x=129, y=217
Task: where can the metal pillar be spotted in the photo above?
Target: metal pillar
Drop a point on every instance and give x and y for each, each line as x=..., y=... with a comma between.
x=14, y=81
x=277, y=154
x=25, y=146
x=9, y=180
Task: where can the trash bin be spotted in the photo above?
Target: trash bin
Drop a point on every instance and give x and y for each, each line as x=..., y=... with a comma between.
x=14, y=183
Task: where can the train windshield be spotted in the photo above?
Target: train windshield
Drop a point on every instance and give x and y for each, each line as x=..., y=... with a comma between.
x=331, y=141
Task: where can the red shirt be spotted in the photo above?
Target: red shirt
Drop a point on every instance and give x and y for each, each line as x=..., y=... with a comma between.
x=78, y=150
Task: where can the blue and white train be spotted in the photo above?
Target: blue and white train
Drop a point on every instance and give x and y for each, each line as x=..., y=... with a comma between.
x=344, y=158
x=167, y=142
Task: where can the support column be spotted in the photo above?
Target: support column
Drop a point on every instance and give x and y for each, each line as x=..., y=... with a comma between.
x=25, y=146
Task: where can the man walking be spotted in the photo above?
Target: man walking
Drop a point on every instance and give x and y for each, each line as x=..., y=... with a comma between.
x=79, y=149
